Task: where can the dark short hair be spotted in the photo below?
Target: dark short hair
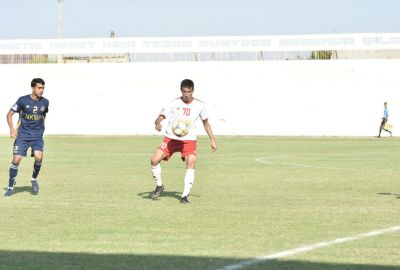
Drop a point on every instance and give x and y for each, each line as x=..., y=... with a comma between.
x=187, y=83
x=36, y=81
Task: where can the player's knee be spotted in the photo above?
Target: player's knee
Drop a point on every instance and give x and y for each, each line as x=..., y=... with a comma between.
x=191, y=162
x=38, y=155
x=191, y=165
x=154, y=161
x=16, y=160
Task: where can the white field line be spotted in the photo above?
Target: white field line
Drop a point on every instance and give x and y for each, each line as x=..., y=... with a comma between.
x=304, y=249
x=270, y=162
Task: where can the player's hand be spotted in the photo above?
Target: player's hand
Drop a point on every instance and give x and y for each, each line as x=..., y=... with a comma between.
x=213, y=146
x=13, y=133
x=158, y=127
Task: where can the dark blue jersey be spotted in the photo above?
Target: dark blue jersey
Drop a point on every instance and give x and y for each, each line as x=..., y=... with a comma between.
x=31, y=116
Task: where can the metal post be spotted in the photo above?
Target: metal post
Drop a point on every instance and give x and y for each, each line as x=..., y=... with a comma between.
x=60, y=26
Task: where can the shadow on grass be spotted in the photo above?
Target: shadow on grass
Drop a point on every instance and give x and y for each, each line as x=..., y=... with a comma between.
x=68, y=261
x=397, y=195
x=171, y=194
x=23, y=189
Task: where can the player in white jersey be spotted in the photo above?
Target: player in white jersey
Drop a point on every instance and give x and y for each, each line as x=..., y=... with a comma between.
x=185, y=110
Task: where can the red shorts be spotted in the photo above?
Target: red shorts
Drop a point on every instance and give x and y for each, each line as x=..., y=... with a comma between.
x=170, y=146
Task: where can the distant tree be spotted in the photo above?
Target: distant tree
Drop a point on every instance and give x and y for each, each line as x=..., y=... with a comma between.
x=39, y=59
x=321, y=55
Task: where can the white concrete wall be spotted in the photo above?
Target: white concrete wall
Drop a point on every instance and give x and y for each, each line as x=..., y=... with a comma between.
x=341, y=98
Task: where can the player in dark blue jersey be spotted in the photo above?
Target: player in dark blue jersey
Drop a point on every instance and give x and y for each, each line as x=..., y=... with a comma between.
x=32, y=110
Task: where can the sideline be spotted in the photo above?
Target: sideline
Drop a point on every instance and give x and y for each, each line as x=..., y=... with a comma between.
x=308, y=248
x=277, y=162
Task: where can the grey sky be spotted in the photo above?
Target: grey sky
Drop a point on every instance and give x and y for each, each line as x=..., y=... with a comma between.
x=135, y=18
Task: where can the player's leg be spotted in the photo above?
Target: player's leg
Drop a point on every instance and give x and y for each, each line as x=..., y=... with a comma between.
x=37, y=149
x=156, y=167
x=19, y=150
x=13, y=174
x=388, y=131
x=37, y=165
x=38, y=155
x=381, y=127
x=189, y=177
x=384, y=127
x=189, y=153
x=158, y=155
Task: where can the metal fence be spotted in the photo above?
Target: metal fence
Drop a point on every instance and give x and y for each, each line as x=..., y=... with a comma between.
x=196, y=57
x=197, y=49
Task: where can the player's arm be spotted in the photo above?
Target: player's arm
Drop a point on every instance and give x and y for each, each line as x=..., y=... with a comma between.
x=158, y=122
x=210, y=134
x=13, y=130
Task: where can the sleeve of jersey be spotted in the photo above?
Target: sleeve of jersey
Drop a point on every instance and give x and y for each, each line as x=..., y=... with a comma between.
x=17, y=106
x=163, y=113
x=166, y=110
x=204, y=113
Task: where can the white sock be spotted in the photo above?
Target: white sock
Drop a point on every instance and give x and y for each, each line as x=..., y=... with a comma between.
x=189, y=179
x=34, y=179
x=156, y=172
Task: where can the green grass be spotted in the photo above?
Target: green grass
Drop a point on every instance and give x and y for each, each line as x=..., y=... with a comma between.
x=255, y=196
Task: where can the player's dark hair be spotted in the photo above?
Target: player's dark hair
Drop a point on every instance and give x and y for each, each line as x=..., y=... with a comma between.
x=187, y=83
x=36, y=81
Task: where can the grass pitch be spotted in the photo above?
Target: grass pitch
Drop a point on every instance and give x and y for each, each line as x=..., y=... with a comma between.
x=255, y=196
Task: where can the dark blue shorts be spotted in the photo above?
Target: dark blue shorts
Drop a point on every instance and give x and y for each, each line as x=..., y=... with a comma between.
x=21, y=146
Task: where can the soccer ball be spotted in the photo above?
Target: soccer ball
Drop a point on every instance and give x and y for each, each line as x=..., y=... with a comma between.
x=180, y=128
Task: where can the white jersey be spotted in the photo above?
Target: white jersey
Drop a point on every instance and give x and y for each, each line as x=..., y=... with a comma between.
x=177, y=110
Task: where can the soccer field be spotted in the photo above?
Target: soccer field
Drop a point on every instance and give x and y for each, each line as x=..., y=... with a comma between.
x=254, y=197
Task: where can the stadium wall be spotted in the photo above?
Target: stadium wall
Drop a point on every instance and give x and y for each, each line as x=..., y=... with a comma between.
x=302, y=98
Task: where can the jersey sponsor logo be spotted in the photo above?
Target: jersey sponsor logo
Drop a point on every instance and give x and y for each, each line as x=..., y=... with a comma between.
x=14, y=107
x=33, y=117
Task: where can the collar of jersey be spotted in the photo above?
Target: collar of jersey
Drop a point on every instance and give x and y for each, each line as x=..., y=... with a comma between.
x=187, y=102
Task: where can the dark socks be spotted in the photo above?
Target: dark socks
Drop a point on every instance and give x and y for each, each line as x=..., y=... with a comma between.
x=36, y=169
x=13, y=174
